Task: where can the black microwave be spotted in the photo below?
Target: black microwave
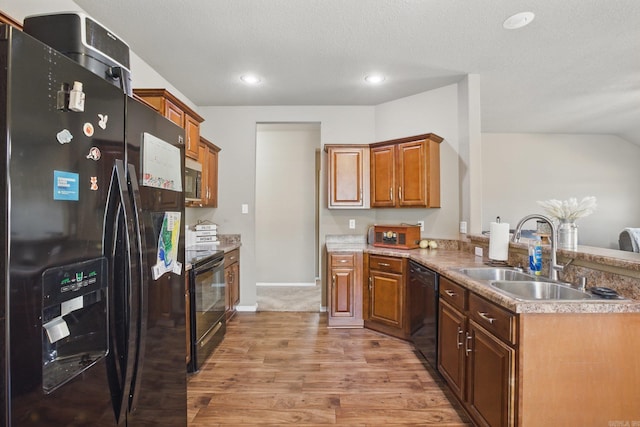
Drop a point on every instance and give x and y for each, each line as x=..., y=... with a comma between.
x=192, y=180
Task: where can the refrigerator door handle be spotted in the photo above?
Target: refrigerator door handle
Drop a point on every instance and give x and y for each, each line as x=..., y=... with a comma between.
x=143, y=305
x=122, y=363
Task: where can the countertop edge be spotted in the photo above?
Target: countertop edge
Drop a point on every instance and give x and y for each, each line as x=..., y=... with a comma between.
x=447, y=262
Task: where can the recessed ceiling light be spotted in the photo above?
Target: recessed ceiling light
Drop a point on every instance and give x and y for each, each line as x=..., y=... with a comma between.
x=518, y=20
x=374, y=78
x=250, y=79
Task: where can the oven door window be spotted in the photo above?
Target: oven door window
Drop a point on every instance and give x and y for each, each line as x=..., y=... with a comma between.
x=209, y=299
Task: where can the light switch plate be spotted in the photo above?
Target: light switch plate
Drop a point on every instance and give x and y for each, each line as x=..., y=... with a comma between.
x=245, y=208
x=352, y=224
x=463, y=227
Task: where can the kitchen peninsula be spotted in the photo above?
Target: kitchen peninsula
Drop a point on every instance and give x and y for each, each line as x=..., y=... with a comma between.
x=506, y=358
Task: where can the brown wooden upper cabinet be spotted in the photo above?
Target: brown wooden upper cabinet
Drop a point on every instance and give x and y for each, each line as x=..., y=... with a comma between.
x=178, y=112
x=348, y=184
x=209, y=159
x=406, y=172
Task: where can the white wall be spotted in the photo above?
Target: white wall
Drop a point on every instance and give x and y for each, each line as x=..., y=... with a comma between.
x=520, y=169
x=286, y=202
x=234, y=130
x=436, y=112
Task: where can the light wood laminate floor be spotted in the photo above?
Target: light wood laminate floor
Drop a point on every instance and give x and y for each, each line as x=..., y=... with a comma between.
x=284, y=368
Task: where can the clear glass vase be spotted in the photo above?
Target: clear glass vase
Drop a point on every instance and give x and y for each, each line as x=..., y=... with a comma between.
x=568, y=235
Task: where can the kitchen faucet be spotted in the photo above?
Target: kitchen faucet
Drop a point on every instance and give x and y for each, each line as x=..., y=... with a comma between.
x=554, y=268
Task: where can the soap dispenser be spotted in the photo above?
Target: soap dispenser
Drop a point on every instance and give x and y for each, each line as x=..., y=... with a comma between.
x=535, y=256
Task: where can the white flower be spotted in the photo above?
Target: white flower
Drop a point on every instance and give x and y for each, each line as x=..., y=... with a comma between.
x=569, y=210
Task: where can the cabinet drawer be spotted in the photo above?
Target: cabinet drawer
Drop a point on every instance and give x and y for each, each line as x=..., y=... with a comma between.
x=383, y=263
x=342, y=260
x=453, y=293
x=493, y=318
x=231, y=257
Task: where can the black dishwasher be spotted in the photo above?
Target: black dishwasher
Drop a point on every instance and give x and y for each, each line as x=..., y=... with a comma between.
x=423, y=306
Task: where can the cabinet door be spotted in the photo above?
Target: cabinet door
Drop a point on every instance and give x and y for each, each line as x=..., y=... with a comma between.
x=173, y=113
x=348, y=177
x=342, y=292
x=383, y=176
x=235, y=284
x=412, y=174
x=451, y=341
x=228, y=279
x=211, y=187
x=490, y=370
x=386, y=295
x=192, y=131
x=203, y=149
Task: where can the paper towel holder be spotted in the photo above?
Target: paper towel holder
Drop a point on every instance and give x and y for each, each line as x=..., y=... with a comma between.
x=499, y=262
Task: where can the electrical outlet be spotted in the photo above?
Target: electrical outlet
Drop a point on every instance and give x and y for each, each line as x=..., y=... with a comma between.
x=478, y=251
x=421, y=224
x=463, y=227
x=245, y=208
x=352, y=224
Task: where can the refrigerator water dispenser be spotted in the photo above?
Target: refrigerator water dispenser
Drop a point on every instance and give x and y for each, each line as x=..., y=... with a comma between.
x=74, y=320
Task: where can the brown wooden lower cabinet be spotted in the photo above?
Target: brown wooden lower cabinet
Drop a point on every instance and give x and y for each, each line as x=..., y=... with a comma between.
x=477, y=354
x=538, y=369
x=232, y=280
x=389, y=297
x=385, y=296
x=344, y=290
x=451, y=338
x=491, y=378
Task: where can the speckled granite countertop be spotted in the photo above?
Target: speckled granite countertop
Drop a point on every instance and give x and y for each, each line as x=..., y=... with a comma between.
x=224, y=245
x=448, y=262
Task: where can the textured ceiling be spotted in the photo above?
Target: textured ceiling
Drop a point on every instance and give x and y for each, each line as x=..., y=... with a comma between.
x=574, y=69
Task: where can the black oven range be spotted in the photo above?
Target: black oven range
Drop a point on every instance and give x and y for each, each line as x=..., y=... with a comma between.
x=207, y=293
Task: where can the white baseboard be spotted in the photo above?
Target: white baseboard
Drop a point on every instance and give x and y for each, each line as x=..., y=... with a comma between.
x=247, y=307
x=285, y=284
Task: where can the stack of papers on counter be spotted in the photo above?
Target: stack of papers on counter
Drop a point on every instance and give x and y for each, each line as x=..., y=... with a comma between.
x=205, y=236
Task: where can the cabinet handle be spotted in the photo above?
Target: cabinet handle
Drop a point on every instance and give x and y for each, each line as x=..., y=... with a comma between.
x=486, y=317
x=391, y=193
x=459, y=337
x=450, y=293
x=370, y=280
x=399, y=193
x=333, y=279
x=467, y=345
x=343, y=261
x=384, y=264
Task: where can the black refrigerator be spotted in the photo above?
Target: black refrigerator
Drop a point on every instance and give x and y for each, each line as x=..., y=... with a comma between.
x=92, y=304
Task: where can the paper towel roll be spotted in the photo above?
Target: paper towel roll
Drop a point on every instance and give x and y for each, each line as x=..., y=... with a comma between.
x=499, y=241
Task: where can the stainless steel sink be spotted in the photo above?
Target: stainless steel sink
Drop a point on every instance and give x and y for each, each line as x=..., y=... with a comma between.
x=495, y=273
x=534, y=290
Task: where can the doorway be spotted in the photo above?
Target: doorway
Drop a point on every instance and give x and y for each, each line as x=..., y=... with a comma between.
x=287, y=216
